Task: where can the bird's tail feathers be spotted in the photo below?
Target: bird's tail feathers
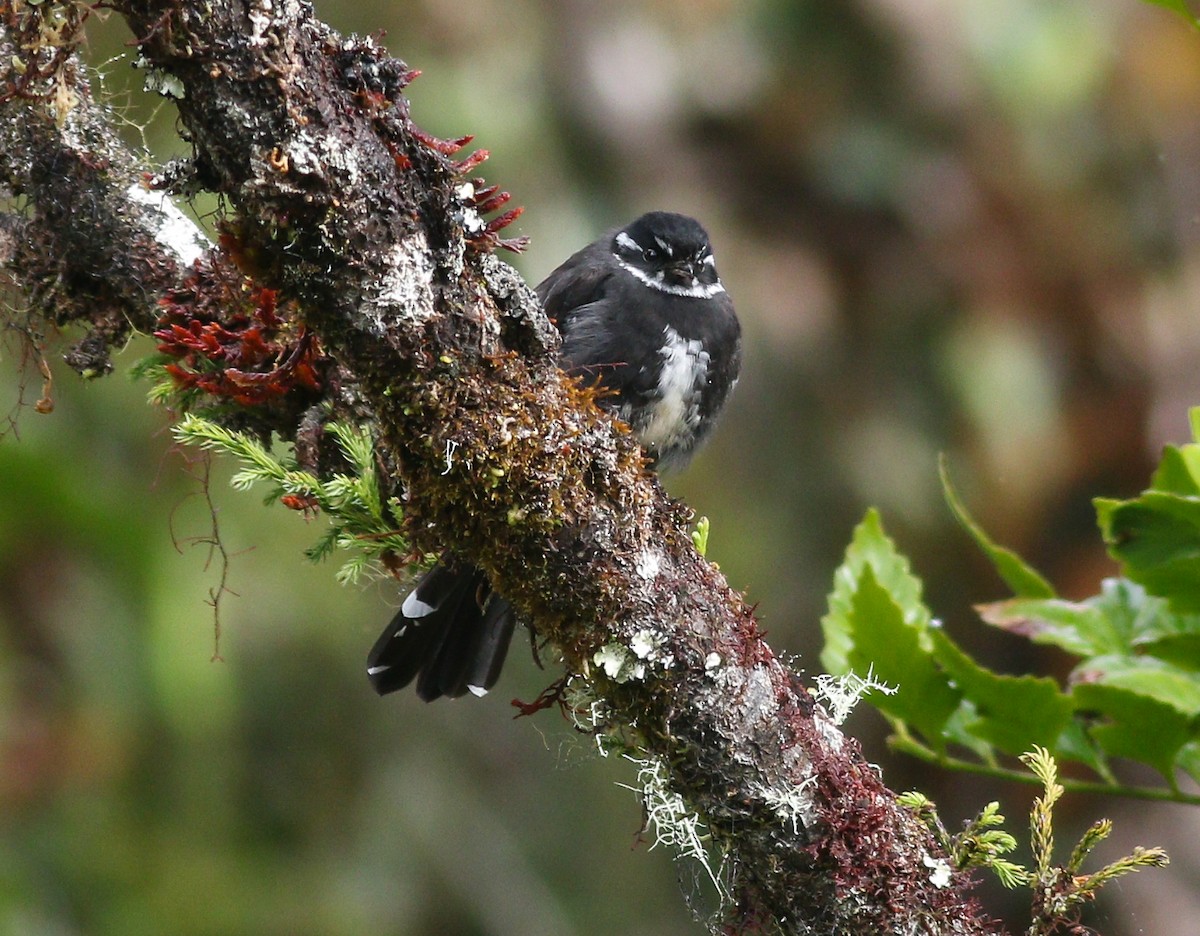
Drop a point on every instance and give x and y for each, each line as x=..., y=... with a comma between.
x=451, y=634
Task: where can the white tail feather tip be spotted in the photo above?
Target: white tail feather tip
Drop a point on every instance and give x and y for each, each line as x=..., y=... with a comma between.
x=414, y=607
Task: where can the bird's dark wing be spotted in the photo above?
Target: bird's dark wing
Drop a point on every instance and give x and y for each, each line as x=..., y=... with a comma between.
x=599, y=346
x=579, y=280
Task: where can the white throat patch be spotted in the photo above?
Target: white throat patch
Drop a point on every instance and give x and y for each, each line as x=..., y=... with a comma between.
x=697, y=290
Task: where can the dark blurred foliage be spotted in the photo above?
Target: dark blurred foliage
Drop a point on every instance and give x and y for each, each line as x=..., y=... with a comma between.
x=967, y=226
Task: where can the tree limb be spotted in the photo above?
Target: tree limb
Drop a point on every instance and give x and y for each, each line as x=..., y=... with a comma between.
x=364, y=223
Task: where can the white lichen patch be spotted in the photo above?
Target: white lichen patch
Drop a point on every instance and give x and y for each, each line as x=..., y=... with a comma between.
x=830, y=732
x=345, y=160
x=840, y=694
x=642, y=644
x=451, y=448
x=259, y=15
x=648, y=564
x=673, y=823
x=758, y=700
x=939, y=871
x=164, y=83
x=618, y=663
x=173, y=230
x=646, y=648
x=406, y=289
x=793, y=805
x=590, y=715
x=471, y=221
x=649, y=646
x=158, y=81
x=713, y=662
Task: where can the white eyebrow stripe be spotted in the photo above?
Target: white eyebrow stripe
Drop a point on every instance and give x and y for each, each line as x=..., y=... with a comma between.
x=627, y=242
x=664, y=245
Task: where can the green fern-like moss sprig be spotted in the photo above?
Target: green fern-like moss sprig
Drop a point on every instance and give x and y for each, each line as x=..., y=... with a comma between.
x=360, y=521
x=1058, y=891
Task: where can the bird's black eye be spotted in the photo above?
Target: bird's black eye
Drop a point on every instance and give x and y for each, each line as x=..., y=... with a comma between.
x=649, y=253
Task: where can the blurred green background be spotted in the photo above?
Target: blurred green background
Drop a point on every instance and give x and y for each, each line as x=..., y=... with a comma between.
x=949, y=225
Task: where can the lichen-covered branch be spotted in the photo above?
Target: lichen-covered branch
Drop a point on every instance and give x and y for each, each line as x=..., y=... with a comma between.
x=99, y=248
x=374, y=237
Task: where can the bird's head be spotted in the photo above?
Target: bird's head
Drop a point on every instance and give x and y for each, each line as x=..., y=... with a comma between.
x=669, y=252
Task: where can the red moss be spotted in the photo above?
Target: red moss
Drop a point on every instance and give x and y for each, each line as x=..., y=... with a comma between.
x=304, y=503
x=549, y=697
x=225, y=337
x=437, y=144
x=472, y=162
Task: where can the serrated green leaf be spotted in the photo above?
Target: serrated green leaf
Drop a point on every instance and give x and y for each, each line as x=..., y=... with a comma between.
x=869, y=547
x=1145, y=618
x=1074, y=744
x=1121, y=620
x=1135, y=726
x=1178, y=472
x=1014, y=713
x=1073, y=625
x=1022, y=578
x=1156, y=538
x=959, y=730
x=1146, y=676
x=885, y=643
x=1146, y=625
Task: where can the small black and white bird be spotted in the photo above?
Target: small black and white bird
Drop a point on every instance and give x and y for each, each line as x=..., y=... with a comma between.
x=643, y=313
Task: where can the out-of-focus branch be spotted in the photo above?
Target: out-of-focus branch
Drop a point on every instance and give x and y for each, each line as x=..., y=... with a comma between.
x=99, y=248
x=370, y=229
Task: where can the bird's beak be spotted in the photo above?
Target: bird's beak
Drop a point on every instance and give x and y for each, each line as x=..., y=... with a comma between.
x=680, y=273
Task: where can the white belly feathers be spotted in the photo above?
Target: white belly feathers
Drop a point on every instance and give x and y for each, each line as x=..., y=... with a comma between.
x=674, y=416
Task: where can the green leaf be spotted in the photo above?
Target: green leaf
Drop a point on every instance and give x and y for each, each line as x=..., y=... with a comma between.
x=1178, y=472
x=1146, y=618
x=1014, y=713
x=1182, y=650
x=1156, y=538
x=1122, y=619
x=887, y=645
x=1023, y=579
x=869, y=547
x=1188, y=760
x=960, y=729
x=1074, y=744
x=1073, y=625
x=1178, y=6
x=1146, y=676
x=1135, y=726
